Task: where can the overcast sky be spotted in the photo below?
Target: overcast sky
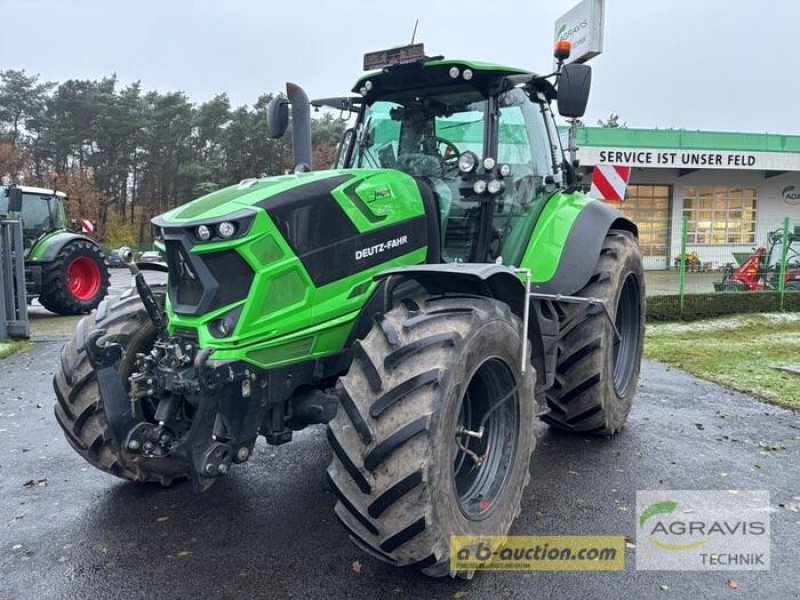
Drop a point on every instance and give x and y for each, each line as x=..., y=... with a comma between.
x=726, y=65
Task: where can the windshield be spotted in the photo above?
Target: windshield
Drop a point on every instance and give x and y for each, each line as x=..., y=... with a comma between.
x=422, y=133
x=40, y=213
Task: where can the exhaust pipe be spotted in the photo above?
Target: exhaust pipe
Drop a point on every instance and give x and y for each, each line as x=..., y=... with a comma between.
x=301, y=125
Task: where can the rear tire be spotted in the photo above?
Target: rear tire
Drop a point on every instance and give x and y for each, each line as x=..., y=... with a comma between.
x=596, y=378
x=79, y=407
x=67, y=296
x=403, y=485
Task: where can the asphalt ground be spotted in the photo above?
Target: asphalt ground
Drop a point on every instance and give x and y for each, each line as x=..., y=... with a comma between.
x=268, y=530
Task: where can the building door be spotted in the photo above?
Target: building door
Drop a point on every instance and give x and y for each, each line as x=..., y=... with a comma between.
x=649, y=207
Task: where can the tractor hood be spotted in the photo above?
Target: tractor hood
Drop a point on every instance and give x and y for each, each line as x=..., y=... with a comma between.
x=371, y=192
x=279, y=254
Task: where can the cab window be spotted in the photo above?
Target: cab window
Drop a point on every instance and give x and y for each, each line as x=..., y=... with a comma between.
x=522, y=143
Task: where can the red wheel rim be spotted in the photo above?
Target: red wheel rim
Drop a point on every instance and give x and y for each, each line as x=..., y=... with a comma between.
x=83, y=278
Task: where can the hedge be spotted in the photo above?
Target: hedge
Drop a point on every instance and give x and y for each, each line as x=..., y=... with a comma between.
x=704, y=306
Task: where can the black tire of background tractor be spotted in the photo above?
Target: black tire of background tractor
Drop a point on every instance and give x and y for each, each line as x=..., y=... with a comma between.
x=79, y=408
x=394, y=436
x=55, y=295
x=588, y=396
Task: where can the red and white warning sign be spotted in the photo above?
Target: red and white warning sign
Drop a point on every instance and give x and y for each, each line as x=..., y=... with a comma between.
x=87, y=226
x=609, y=182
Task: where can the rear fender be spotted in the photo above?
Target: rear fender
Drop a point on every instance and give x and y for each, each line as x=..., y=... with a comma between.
x=566, y=242
x=48, y=249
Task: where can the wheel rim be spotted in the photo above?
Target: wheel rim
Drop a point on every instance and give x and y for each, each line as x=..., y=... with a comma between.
x=478, y=488
x=83, y=278
x=626, y=346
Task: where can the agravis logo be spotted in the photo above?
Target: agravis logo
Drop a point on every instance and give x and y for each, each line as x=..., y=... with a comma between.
x=677, y=530
x=666, y=529
x=568, y=34
x=694, y=529
x=790, y=195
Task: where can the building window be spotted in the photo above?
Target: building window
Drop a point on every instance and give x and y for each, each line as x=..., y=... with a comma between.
x=648, y=206
x=720, y=215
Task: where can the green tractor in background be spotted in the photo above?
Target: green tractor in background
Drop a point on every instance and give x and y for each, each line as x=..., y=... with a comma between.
x=444, y=285
x=65, y=270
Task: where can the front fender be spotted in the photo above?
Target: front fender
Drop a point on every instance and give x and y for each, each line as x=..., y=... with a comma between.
x=491, y=281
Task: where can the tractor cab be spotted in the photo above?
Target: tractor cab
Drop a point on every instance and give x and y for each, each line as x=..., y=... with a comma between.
x=41, y=211
x=481, y=136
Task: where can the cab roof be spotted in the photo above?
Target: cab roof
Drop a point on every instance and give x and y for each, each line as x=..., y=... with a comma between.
x=27, y=189
x=399, y=75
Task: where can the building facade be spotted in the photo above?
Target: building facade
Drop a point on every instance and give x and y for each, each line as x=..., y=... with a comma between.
x=732, y=188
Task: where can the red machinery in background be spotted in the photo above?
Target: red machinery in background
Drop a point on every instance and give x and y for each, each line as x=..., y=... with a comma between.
x=758, y=272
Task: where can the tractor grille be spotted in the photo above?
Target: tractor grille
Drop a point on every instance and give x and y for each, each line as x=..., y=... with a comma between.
x=184, y=282
x=202, y=283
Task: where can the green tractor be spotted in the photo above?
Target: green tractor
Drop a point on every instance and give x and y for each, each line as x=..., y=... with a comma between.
x=65, y=270
x=444, y=285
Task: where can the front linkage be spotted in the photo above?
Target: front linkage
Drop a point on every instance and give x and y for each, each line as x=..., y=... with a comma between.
x=201, y=416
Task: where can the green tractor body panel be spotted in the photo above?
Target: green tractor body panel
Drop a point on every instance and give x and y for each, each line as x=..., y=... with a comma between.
x=37, y=252
x=312, y=262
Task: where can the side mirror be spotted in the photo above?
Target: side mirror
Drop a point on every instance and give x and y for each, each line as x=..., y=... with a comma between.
x=277, y=117
x=14, y=199
x=574, y=83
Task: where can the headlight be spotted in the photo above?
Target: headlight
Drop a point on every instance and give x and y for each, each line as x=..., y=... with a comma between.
x=454, y=72
x=467, y=74
x=226, y=229
x=467, y=162
x=489, y=163
x=223, y=326
x=505, y=170
x=479, y=187
x=495, y=186
x=203, y=233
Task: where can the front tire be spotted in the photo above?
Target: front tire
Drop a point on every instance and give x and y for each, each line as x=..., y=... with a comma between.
x=79, y=407
x=427, y=368
x=596, y=373
x=76, y=281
